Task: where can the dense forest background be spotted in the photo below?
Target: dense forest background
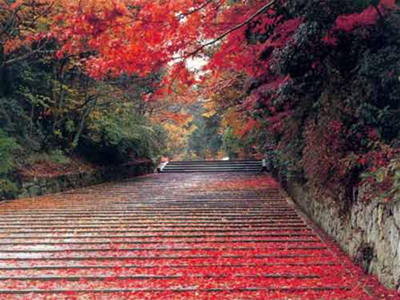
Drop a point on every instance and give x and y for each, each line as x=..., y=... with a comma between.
x=312, y=86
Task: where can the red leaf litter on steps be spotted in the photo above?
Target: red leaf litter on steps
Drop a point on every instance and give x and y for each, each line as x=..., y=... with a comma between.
x=173, y=236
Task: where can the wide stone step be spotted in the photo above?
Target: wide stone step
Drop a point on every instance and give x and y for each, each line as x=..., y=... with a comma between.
x=217, y=162
x=211, y=166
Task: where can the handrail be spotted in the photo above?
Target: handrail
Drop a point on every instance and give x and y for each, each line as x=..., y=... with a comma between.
x=162, y=166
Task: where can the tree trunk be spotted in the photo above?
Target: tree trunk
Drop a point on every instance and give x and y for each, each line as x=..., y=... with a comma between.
x=82, y=123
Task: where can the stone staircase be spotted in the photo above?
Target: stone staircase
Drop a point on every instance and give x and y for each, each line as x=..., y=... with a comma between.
x=225, y=236
x=212, y=166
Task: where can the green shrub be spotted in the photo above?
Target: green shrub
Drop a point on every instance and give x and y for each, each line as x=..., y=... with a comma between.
x=8, y=190
x=231, y=144
x=7, y=147
x=54, y=156
x=119, y=139
x=58, y=157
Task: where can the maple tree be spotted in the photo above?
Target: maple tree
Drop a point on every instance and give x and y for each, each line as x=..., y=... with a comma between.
x=52, y=109
x=137, y=37
x=292, y=55
x=318, y=103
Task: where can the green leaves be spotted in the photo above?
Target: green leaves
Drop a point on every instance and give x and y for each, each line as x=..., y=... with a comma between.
x=37, y=100
x=7, y=146
x=119, y=138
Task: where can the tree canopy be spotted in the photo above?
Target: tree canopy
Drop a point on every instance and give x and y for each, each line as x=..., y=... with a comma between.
x=296, y=79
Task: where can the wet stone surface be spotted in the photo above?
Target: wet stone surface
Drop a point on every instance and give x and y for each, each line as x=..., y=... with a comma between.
x=173, y=236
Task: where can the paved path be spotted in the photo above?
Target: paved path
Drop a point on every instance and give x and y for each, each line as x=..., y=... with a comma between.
x=172, y=236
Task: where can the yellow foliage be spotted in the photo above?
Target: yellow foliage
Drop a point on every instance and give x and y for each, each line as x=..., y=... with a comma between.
x=178, y=135
x=209, y=114
x=233, y=120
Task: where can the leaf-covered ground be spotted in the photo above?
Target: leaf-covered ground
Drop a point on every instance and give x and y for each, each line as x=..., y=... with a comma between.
x=48, y=168
x=197, y=236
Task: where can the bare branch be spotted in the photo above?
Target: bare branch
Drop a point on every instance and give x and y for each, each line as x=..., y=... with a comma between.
x=222, y=36
x=27, y=55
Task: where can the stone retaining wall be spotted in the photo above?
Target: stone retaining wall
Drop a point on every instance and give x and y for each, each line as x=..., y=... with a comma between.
x=37, y=186
x=369, y=233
